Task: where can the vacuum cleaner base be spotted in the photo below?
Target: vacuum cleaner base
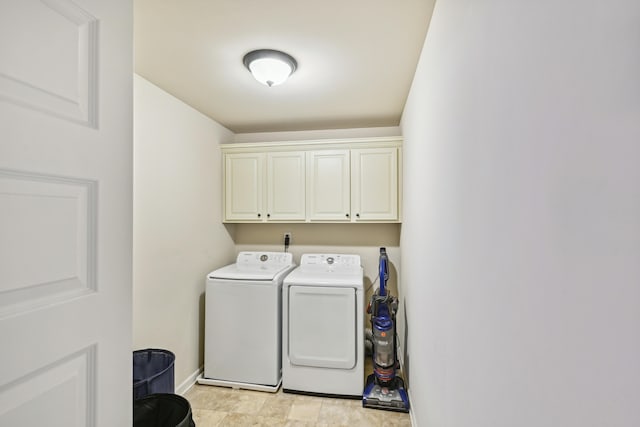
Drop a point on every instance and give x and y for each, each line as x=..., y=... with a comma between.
x=388, y=398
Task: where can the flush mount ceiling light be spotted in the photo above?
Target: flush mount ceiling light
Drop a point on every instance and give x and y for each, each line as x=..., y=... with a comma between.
x=270, y=67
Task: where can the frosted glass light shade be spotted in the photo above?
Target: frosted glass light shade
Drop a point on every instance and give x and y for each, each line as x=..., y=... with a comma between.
x=270, y=72
x=270, y=67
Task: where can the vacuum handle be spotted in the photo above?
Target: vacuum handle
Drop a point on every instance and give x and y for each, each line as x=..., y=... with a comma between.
x=384, y=271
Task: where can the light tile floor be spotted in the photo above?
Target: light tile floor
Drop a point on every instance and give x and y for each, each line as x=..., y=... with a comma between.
x=220, y=406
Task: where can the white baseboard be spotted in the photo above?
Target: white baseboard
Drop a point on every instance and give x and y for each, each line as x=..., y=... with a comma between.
x=189, y=382
x=401, y=361
x=411, y=414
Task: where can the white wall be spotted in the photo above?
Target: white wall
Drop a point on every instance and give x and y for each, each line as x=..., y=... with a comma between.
x=178, y=231
x=521, y=234
x=360, y=239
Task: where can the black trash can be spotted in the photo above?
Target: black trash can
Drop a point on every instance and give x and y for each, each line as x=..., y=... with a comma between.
x=152, y=372
x=162, y=410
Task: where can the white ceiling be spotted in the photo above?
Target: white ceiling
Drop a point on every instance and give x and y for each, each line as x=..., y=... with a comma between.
x=356, y=59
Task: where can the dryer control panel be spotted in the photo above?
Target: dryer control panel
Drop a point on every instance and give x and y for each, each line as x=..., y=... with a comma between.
x=328, y=262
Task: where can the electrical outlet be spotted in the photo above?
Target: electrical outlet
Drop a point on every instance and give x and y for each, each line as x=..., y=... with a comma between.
x=287, y=234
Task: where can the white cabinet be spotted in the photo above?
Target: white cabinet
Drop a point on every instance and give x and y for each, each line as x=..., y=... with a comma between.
x=374, y=184
x=313, y=181
x=353, y=185
x=243, y=186
x=264, y=186
x=286, y=186
x=328, y=189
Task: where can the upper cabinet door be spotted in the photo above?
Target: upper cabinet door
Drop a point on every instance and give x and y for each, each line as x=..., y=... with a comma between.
x=328, y=185
x=244, y=187
x=374, y=184
x=286, y=186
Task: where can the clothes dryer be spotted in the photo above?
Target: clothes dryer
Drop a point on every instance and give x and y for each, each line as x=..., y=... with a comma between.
x=243, y=324
x=322, y=326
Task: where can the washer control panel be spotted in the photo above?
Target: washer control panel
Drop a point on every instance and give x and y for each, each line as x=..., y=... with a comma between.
x=264, y=259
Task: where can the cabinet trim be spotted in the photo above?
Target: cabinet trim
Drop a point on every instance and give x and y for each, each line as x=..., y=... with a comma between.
x=318, y=144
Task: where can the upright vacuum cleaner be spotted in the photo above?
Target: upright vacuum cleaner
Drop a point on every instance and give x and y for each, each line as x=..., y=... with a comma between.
x=384, y=388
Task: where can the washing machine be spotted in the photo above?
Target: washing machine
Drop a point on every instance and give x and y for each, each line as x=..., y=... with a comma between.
x=243, y=323
x=322, y=326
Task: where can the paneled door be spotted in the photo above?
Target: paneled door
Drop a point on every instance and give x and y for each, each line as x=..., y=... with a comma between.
x=65, y=213
x=374, y=184
x=244, y=187
x=328, y=185
x=286, y=186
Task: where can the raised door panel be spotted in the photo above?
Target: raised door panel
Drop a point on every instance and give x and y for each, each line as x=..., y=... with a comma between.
x=286, y=186
x=55, y=259
x=62, y=393
x=374, y=184
x=56, y=36
x=328, y=189
x=244, y=181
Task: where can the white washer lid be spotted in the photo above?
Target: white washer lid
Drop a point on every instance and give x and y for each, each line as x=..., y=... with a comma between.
x=255, y=266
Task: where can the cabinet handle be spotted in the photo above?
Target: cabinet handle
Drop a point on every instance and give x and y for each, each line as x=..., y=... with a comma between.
x=268, y=215
x=347, y=215
x=358, y=215
x=259, y=215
